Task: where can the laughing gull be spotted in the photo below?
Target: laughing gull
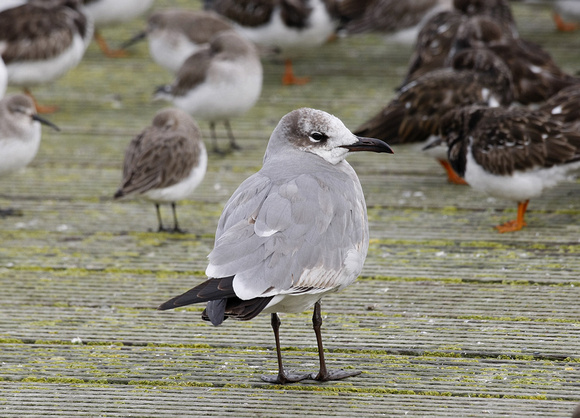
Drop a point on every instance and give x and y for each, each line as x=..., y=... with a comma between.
x=112, y=12
x=19, y=134
x=165, y=162
x=291, y=233
x=511, y=153
x=43, y=40
x=219, y=82
x=175, y=34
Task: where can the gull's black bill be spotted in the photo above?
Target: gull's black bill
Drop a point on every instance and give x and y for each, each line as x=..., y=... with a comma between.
x=369, y=144
x=45, y=122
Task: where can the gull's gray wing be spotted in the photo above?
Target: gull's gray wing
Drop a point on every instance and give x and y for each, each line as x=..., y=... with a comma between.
x=307, y=233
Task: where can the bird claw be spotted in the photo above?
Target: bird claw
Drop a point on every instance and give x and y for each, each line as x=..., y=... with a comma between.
x=510, y=226
x=283, y=378
x=334, y=375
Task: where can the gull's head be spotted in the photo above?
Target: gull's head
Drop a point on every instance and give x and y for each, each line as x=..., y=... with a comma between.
x=319, y=133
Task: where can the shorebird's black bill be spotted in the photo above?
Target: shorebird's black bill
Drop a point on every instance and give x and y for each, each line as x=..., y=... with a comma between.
x=369, y=144
x=45, y=122
x=139, y=37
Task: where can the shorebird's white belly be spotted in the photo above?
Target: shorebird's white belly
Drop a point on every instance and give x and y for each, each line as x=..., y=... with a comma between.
x=16, y=153
x=230, y=90
x=170, y=49
x=184, y=188
x=105, y=12
x=519, y=186
x=28, y=73
x=318, y=29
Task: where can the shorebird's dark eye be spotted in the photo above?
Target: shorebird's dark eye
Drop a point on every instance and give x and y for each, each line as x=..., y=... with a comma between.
x=318, y=137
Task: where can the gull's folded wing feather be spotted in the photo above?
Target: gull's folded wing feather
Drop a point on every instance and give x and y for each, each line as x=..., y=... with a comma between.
x=283, y=237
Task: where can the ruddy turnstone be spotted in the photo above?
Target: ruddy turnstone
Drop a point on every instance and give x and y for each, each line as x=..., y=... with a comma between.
x=287, y=25
x=43, y=40
x=497, y=10
x=113, y=12
x=219, y=82
x=175, y=34
x=434, y=43
x=19, y=135
x=402, y=18
x=476, y=77
x=564, y=105
x=291, y=233
x=535, y=74
x=165, y=162
x=511, y=153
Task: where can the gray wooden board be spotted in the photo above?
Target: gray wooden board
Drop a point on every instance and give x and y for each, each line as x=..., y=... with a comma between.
x=121, y=400
x=449, y=318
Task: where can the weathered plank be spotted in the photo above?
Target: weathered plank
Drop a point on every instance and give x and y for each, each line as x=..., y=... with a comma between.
x=449, y=319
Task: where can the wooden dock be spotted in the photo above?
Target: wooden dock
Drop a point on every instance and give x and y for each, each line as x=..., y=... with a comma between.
x=449, y=318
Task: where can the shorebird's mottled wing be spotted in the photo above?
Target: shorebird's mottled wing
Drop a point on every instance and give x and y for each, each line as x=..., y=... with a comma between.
x=302, y=234
x=243, y=12
x=154, y=160
x=504, y=141
x=32, y=32
x=518, y=141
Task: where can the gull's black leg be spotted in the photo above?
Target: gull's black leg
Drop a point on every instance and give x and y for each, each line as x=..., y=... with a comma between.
x=282, y=376
x=325, y=375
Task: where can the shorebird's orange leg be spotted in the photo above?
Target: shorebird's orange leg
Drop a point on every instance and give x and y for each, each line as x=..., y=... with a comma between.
x=564, y=26
x=517, y=223
x=111, y=53
x=289, y=78
x=452, y=176
x=40, y=108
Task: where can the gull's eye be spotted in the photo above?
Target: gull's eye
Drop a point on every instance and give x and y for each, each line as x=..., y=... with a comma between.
x=318, y=137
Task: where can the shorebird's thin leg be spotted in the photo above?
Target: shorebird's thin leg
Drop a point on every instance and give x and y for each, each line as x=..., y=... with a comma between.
x=563, y=26
x=176, y=227
x=214, y=138
x=282, y=376
x=325, y=375
x=161, y=229
x=233, y=144
x=289, y=78
x=452, y=176
x=111, y=53
x=518, y=223
x=40, y=108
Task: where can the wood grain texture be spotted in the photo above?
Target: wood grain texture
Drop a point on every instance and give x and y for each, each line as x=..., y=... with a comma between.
x=449, y=318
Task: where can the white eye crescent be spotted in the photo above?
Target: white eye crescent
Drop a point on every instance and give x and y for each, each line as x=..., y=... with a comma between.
x=318, y=137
